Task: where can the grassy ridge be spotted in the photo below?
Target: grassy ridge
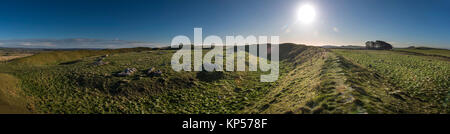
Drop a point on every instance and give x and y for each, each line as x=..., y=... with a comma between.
x=54, y=57
x=296, y=86
x=322, y=82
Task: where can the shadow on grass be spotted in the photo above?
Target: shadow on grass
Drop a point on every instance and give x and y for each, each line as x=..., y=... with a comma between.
x=210, y=76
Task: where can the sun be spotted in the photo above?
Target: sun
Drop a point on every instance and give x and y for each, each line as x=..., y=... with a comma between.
x=306, y=14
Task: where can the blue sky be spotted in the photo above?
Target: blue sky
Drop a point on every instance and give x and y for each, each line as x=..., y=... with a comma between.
x=130, y=23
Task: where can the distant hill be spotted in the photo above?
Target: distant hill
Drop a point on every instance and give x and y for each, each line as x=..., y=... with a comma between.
x=426, y=48
x=343, y=47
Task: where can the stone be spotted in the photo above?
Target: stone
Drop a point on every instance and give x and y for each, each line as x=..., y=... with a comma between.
x=100, y=63
x=127, y=72
x=150, y=71
x=153, y=72
x=157, y=73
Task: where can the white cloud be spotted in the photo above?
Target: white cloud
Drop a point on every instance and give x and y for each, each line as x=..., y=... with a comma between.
x=37, y=44
x=26, y=44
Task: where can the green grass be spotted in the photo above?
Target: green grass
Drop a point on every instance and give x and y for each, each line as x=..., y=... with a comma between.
x=431, y=52
x=81, y=87
x=56, y=57
x=324, y=83
x=12, y=98
x=312, y=80
x=422, y=78
x=296, y=86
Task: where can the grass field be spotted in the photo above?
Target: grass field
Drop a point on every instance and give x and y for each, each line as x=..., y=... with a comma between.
x=312, y=80
x=81, y=87
x=7, y=58
x=424, y=78
x=6, y=55
x=431, y=52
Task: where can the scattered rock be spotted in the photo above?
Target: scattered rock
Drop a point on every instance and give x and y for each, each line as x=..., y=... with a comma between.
x=100, y=62
x=127, y=72
x=157, y=73
x=150, y=71
x=153, y=72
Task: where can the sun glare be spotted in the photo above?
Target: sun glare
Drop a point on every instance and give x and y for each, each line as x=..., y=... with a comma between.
x=306, y=14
